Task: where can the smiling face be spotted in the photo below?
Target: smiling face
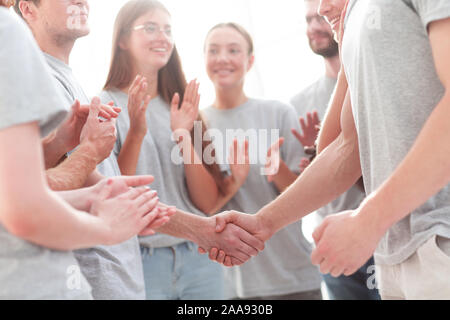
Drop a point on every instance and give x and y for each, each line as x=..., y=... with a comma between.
x=227, y=57
x=62, y=19
x=150, y=42
x=319, y=32
x=332, y=10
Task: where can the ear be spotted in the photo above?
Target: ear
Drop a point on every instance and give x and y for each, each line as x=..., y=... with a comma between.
x=251, y=62
x=28, y=10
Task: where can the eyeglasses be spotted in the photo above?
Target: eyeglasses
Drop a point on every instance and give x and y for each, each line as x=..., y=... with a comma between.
x=153, y=29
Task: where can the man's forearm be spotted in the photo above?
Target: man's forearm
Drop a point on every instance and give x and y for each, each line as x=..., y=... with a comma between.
x=184, y=225
x=54, y=151
x=333, y=172
x=74, y=171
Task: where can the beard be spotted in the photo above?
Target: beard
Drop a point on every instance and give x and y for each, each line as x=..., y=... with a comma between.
x=331, y=50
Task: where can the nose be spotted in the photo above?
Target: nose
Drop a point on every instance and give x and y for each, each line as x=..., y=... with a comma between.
x=222, y=56
x=324, y=7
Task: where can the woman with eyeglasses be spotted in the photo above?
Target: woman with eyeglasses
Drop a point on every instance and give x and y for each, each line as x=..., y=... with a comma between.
x=283, y=270
x=147, y=80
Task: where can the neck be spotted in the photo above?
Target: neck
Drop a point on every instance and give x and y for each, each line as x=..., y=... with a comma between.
x=58, y=48
x=152, y=81
x=229, y=98
x=332, y=66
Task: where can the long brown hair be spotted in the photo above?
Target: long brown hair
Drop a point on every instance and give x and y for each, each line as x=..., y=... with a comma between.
x=171, y=78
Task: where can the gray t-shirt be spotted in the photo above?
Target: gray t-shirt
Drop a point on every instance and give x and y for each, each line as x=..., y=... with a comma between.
x=155, y=159
x=28, y=94
x=284, y=267
x=394, y=88
x=114, y=272
x=317, y=97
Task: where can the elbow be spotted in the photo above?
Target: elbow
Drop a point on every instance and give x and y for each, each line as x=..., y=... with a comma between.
x=16, y=222
x=19, y=216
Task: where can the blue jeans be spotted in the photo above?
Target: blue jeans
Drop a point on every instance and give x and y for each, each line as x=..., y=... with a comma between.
x=181, y=273
x=354, y=287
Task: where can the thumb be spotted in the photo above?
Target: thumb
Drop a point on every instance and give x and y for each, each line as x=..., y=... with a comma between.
x=317, y=234
x=76, y=105
x=94, y=109
x=222, y=220
x=280, y=142
x=105, y=193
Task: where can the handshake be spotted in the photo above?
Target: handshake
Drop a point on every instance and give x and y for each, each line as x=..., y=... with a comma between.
x=238, y=237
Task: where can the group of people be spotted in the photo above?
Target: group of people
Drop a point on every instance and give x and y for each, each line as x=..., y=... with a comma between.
x=76, y=171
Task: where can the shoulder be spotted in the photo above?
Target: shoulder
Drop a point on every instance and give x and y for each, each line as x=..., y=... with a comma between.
x=310, y=89
x=275, y=106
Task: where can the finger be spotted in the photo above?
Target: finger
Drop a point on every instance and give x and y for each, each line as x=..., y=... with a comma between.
x=149, y=203
x=236, y=262
x=325, y=267
x=228, y=262
x=222, y=221
x=316, y=257
x=136, y=181
x=221, y=257
x=316, y=119
x=148, y=219
x=201, y=250
x=189, y=91
x=317, y=234
x=175, y=103
x=107, y=112
x=145, y=197
x=146, y=103
x=134, y=193
x=297, y=135
x=159, y=222
x=94, y=110
x=197, y=100
x=76, y=107
x=251, y=241
x=246, y=148
x=213, y=254
x=309, y=118
x=336, y=272
x=303, y=125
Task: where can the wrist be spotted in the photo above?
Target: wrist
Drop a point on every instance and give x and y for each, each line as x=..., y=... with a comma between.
x=89, y=150
x=372, y=214
x=266, y=226
x=137, y=133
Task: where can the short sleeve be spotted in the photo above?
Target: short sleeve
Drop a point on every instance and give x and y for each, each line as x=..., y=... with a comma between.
x=431, y=10
x=291, y=151
x=27, y=89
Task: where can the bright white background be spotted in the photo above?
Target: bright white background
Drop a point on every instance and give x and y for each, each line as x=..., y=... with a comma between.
x=284, y=62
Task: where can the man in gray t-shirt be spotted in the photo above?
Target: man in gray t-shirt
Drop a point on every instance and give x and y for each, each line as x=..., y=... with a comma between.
x=114, y=272
x=317, y=97
x=395, y=133
x=28, y=271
